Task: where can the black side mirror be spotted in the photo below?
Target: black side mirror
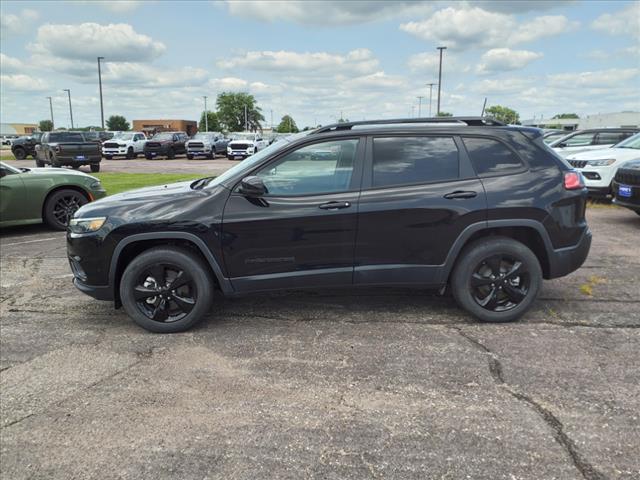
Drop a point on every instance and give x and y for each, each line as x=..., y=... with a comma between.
x=561, y=145
x=253, y=187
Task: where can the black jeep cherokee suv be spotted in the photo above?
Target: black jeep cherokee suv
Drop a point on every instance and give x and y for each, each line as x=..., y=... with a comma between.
x=484, y=208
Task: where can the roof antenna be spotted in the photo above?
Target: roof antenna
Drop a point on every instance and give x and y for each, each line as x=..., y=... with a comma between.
x=483, y=106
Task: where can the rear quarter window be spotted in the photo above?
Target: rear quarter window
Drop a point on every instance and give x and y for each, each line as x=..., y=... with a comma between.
x=492, y=157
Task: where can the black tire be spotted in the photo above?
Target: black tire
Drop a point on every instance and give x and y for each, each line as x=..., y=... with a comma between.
x=171, y=154
x=130, y=153
x=148, y=157
x=212, y=154
x=75, y=167
x=20, y=153
x=39, y=163
x=60, y=206
x=487, y=272
x=157, y=299
x=95, y=167
x=189, y=157
x=108, y=157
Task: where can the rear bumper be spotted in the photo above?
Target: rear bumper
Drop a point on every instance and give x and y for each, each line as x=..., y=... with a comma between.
x=71, y=160
x=563, y=261
x=627, y=204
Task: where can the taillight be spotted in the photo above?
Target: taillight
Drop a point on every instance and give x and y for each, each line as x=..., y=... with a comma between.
x=573, y=181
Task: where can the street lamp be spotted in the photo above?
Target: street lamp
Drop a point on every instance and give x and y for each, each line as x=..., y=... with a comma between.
x=206, y=115
x=430, y=95
x=51, y=109
x=70, y=109
x=100, y=83
x=440, y=77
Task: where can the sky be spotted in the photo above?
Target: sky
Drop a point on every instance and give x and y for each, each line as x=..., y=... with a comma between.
x=317, y=61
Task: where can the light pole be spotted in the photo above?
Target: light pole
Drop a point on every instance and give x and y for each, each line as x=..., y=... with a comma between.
x=420, y=97
x=51, y=109
x=206, y=115
x=70, y=109
x=440, y=78
x=430, y=96
x=100, y=83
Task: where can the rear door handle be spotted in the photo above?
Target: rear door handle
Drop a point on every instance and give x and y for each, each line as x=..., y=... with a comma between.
x=460, y=194
x=334, y=205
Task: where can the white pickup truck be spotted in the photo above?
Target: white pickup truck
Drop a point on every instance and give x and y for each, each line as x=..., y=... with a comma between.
x=124, y=144
x=245, y=144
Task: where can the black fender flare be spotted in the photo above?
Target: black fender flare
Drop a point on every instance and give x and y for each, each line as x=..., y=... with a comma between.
x=225, y=284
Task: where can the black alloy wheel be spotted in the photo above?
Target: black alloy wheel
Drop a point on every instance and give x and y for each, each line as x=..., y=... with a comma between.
x=60, y=207
x=167, y=289
x=496, y=279
x=165, y=293
x=499, y=283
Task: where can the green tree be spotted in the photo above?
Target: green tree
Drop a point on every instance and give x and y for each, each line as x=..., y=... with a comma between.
x=231, y=111
x=212, y=120
x=566, y=115
x=287, y=125
x=117, y=123
x=45, y=125
x=504, y=114
x=444, y=114
x=343, y=120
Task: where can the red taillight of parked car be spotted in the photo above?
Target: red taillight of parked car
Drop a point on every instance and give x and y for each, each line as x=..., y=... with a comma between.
x=573, y=181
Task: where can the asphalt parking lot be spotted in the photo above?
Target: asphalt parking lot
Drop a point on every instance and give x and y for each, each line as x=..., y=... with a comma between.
x=331, y=384
x=141, y=165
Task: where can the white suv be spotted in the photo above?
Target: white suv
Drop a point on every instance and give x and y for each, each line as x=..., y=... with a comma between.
x=592, y=139
x=124, y=144
x=245, y=144
x=600, y=166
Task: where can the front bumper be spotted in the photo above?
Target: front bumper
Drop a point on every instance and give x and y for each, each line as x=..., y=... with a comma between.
x=98, y=292
x=563, y=261
x=632, y=202
x=114, y=151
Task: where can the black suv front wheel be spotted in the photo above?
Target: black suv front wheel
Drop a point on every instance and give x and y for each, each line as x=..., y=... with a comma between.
x=166, y=290
x=496, y=279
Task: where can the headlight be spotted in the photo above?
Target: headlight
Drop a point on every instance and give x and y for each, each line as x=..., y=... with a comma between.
x=96, y=185
x=251, y=149
x=601, y=163
x=122, y=144
x=86, y=225
x=229, y=149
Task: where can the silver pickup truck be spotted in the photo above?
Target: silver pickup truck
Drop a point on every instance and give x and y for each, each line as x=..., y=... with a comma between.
x=207, y=144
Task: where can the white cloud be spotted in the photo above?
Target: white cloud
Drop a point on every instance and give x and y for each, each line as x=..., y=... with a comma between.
x=599, y=79
x=312, y=63
x=22, y=83
x=430, y=62
x=325, y=12
x=464, y=28
x=622, y=22
x=233, y=84
x=86, y=41
x=505, y=59
x=10, y=65
x=377, y=80
x=127, y=73
x=120, y=6
x=12, y=24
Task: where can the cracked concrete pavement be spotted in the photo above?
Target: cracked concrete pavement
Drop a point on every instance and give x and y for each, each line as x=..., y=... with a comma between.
x=329, y=384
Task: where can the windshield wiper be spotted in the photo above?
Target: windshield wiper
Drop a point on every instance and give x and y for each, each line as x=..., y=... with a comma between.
x=201, y=182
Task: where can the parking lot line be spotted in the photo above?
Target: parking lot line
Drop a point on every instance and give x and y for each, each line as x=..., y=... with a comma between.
x=30, y=241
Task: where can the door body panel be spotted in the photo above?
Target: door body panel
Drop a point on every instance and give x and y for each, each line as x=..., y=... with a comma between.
x=13, y=195
x=405, y=233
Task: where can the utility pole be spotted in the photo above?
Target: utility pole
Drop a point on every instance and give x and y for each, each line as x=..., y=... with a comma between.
x=440, y=78
x=420, y=97
x=206, y=115
x=70, y=109
x=100, y=83
x=51, y=109
x=246, y=127
x=430, y=95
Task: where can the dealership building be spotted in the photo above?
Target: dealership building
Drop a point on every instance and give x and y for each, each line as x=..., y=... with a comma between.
x=600, y=120
x=151, y=127
x=17, y=129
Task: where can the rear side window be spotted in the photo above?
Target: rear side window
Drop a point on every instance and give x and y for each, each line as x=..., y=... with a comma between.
x=412, y=160
x=607, y=138
x=491, y=157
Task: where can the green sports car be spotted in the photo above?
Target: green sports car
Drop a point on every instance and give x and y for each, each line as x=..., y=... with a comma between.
x=52, y=195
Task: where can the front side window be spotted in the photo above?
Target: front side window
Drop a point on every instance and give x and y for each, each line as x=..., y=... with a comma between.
x=579, y=140
x=491, y=157
x=325, y=167
x=414, y=160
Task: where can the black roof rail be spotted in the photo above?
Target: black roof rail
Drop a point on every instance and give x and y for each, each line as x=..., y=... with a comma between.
x=469, y=121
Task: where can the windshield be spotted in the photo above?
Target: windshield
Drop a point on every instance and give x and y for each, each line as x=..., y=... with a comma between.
x=631, y=142
x=9, y=168
x=164, y=136
x=202, y=136
x=257, y=158
x=244, y=136
x=125, y=136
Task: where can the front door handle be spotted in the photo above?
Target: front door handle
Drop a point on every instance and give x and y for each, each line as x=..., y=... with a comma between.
x=334, y=205
x=460, y=194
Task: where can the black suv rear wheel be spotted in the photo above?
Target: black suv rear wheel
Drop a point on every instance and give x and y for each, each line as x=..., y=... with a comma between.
x=496, y=279
x=166, y=290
